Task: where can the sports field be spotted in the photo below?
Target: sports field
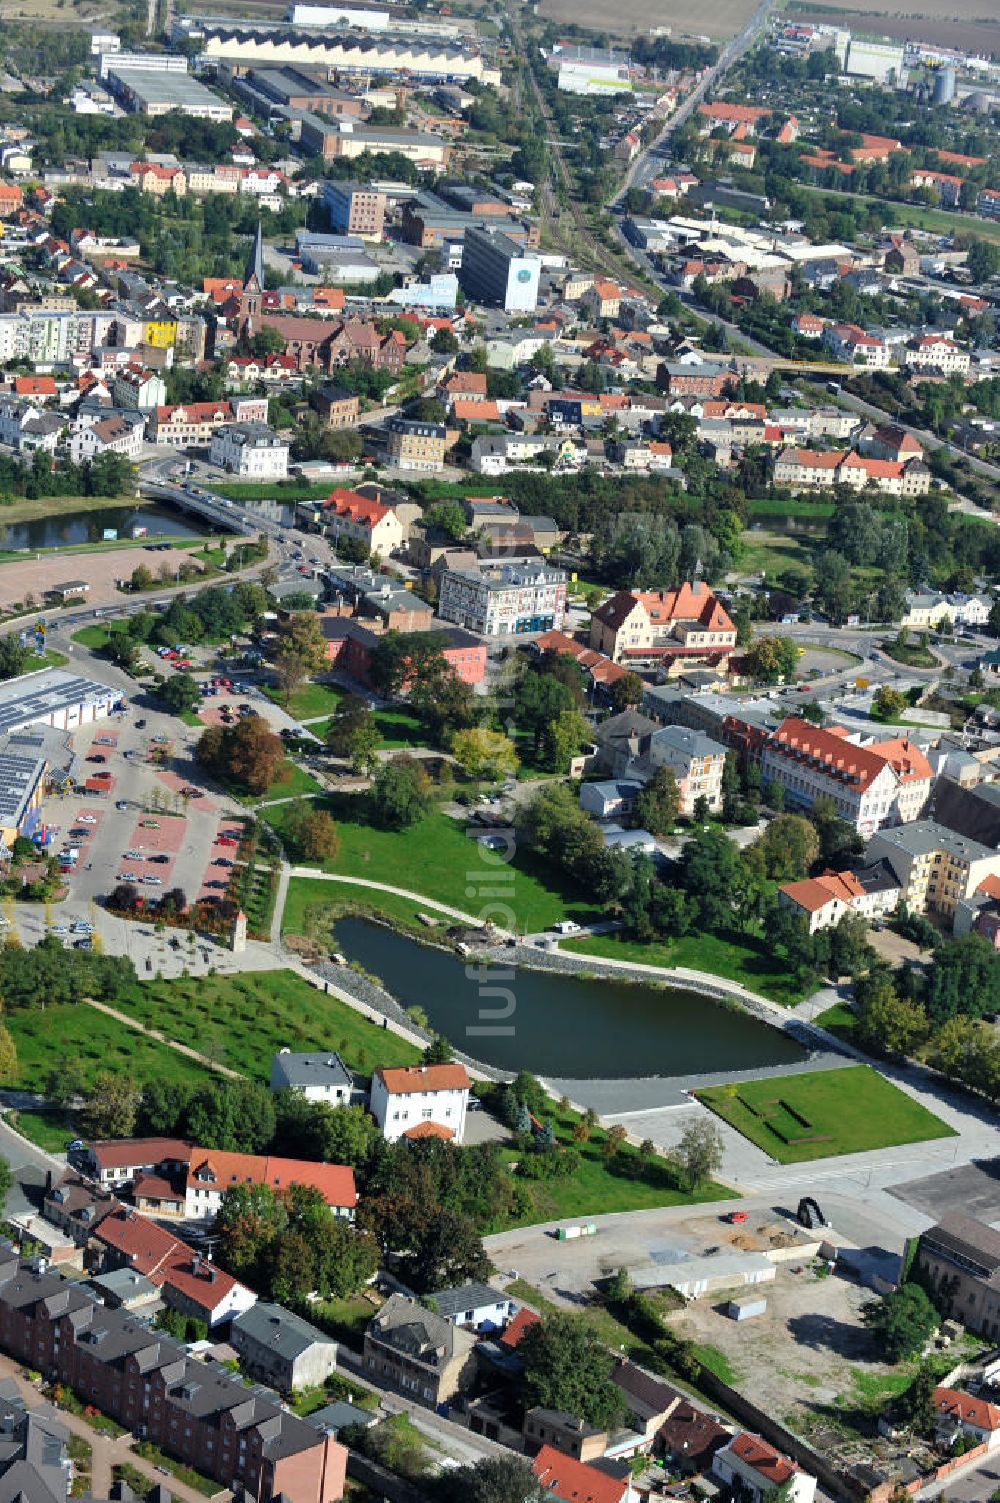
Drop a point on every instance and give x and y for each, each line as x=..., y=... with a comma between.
x=821, y=1113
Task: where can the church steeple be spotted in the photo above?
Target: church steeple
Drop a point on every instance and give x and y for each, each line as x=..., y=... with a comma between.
x=253, y=286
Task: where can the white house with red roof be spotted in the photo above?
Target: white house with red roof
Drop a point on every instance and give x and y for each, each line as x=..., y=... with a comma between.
x=938, y=353
x=824, y=900
x=421, y=1101
x=753, y=1468
x=188, y=1282
x=346, y=514
x=687, y=624
x=957, y=1413
x=883, y=783
x=851, y=343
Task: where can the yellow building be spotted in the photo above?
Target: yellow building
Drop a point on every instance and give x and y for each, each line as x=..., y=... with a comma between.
x=160, y=333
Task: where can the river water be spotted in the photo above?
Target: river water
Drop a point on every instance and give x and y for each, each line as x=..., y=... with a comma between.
x=561, y=1025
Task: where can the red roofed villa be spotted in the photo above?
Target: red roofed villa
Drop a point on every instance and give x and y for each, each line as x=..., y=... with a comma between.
x=677, y=627
x=750, y=1465
x=414, y=1096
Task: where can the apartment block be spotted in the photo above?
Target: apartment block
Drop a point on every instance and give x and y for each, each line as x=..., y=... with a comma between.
x=511, y=600
x=937, y=869
x=146, y=1382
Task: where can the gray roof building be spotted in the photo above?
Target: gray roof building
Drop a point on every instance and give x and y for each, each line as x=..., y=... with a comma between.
x=474, y=1304
x=320, y=1075
x=281, y=1348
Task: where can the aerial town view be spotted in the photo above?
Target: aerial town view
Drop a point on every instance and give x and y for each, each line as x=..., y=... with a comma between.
x=499, y=751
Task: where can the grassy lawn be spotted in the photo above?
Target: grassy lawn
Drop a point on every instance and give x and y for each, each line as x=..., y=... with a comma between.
x=736, y=957
x=912, y=655
x=294, y=782
x=820, y=510
x=309, y=701
x=243, y=1020
x=48, y=1130
x=344, y=1318
x=399, y=729
x=301, y=491
x=773, y=552
x=184, y=1474
x=95, y=1041
x=626, y=1182
x=437, y=858
x=920, y=216
x=312, y=905
x=838, y=1020
x=796, y=1118
x=92, y=636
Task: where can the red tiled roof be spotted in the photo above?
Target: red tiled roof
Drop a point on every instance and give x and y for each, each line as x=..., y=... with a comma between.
x=813, y=893
x=954, y=1404
x=335, y=1182
x=722, y=110
x=430, y=1130
x=122, y=1153
x=363, y=509
x=405, y=1080
x=813, y=459
x=474, y=412
x=686, y=603
x=574, y=1481
x=35, y=386
x=907, y=760
x=958, y=159
x=830, y=749
x=522, y=1321
x=763, y=1458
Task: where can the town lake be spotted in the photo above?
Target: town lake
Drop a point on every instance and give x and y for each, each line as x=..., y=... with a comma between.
x=560, y=1024
x=71, y=528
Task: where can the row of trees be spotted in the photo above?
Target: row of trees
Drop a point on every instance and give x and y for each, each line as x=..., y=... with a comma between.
x=938, y=1016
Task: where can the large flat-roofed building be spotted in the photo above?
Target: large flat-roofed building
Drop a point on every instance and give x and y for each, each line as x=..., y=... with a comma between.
x=22, y=784
x=160, y=93
x=244, y=43
x=355, y=209
x=54, y=696
x=348, y=138
x=960, y=1258
x=295, y=90
x=496, y=271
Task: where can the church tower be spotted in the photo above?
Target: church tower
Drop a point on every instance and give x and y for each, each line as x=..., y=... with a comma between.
x=253, y=288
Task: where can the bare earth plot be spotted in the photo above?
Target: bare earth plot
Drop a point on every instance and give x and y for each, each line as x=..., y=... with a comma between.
x=968, y=24
x=807, y=1360
x=718, y=19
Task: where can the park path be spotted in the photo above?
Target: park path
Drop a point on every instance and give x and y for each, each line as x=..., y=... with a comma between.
x=399, y=892
x=161, y=1038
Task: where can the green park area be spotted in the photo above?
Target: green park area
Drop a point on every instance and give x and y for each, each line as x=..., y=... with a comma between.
x=312, y=905
x=435, y=857
x=744, y=958
x=820, y=1113
x=241, y=1021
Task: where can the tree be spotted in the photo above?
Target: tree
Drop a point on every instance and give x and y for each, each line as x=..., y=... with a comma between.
x=964, y=977
x=439, y=1051
x=447, y=517
x=247, y=753
x=180, y=693
x=14, y=656
x=317, y=1130
x=482, y=753
x=494, y=1479
x=111, y=1108
x=567, y=1367
x=6, y=1180
x=916, y=1405
x=699, y=1152
x=300, y=650
x=314, y=833
x=657, y=803
x=351, y=715
x=236, y=1116
x=400, y=794
x=626, y=692
x=562, y=738
x=539, y=698
x=771, y=659
x=8, y=1056
x=902, y=1321
x=267, y=341
x=788, y=846
x=363, y=746
x=888, y=703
